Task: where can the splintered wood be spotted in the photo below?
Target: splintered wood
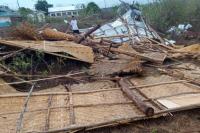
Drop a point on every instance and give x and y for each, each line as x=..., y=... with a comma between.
x=102, y=97
x=93, y=108
x=50, y=34
x=123, y=65
x=106, y=67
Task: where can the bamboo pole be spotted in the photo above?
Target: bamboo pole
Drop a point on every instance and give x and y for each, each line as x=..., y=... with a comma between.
x=144, y=57
x=20, y=120
x=117, y=121
x=48, y=112
x=71, y=108
x=12, y=54
x=94, y=91
x=43, y=79
x=101, y=104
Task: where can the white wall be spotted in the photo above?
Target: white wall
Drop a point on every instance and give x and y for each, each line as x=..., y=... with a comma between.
x=5, y=19
x=62, y=13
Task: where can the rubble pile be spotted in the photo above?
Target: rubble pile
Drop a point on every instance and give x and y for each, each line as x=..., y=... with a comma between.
x=114, y=58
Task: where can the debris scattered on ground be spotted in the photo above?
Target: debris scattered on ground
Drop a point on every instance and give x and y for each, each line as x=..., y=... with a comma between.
x=53, y=35
x=105, y=77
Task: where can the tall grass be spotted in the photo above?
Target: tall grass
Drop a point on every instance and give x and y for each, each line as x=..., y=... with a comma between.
x=162, y=14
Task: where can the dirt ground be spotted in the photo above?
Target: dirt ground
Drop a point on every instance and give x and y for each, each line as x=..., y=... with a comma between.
x=180, y=122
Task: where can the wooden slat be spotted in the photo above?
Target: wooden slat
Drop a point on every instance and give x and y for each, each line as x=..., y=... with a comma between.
x=48, y=112
x=21, y=117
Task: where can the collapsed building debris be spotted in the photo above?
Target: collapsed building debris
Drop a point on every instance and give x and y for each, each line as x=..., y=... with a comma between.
x=132, y=75
x=53, y=35
x=74, y=51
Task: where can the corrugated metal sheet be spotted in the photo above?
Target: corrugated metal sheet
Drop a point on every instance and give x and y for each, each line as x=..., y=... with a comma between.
x=136, y=27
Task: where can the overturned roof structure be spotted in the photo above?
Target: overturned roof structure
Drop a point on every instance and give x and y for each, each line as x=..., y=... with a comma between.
x=131, y=23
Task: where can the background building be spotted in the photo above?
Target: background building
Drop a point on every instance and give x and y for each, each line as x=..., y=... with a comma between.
x=64, y=11
x=8, y=16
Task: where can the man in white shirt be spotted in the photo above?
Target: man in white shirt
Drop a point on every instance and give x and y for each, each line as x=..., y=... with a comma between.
x=74, y=25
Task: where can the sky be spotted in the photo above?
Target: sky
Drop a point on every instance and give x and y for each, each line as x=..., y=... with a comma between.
x=56, y=3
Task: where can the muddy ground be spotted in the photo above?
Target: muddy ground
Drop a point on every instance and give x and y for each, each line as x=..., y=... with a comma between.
x=180, y=122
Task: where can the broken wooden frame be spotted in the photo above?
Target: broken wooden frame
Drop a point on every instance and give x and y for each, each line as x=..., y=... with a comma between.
x=92, y=109
x=71, y=50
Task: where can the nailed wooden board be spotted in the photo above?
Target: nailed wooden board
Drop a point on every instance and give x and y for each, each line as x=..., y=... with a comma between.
x=81, y=52
x=180, y=101
x=165, y=89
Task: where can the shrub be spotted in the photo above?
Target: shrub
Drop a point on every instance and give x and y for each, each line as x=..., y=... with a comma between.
x=162, y=14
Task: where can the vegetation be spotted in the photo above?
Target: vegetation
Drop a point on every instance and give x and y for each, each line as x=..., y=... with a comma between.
x=21, y=64
x=162, y=14
x=154, y=130
x=43, y=5
x=24, y=12
x=92, y=8
x=24, y=62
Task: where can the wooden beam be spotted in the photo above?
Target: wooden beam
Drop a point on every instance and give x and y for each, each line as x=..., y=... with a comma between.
x=149, y=111
x=156, y=57
x=88, y=33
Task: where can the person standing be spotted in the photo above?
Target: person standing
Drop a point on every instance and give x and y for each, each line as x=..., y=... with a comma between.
x=74, y=25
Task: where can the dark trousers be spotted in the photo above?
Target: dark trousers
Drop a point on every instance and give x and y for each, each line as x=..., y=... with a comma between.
x=76, y=31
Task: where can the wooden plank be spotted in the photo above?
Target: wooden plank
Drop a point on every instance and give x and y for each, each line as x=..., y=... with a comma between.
x=152, y=57
x=149, y=111
x=78, y=51
x=180, y=101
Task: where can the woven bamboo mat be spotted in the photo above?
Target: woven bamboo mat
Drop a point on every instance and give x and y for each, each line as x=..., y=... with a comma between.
x=90, y=109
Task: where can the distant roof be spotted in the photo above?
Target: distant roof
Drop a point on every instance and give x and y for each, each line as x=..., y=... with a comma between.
x=7, y=12
x=65, y=8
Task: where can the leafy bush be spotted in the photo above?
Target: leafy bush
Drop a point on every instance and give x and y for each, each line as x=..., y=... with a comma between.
x=92, y=8
x=21, y=64
x=163, y=14
x=24, y=12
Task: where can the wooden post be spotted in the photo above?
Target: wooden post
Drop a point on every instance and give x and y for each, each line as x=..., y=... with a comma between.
x=88, y=33
x=148, y=111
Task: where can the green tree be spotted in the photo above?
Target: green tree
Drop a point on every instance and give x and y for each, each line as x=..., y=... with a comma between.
x=162, y=14
x=42, y=5
x=92, y=8
x=24, y=12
